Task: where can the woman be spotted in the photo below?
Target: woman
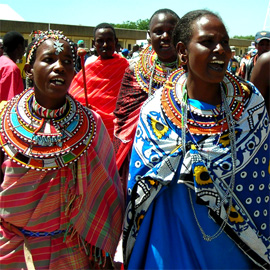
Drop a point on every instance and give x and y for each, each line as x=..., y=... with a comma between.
x=141, y=79
x=61, y=199
x=198, y=195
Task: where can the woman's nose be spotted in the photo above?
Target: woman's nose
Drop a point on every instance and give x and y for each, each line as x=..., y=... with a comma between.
x=219, y=48
x=59, y=66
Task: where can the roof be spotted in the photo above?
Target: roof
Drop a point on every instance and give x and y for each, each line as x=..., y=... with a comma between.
x=7, y=13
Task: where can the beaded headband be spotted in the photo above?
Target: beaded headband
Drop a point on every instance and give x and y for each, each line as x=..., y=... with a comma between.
x=41, y=36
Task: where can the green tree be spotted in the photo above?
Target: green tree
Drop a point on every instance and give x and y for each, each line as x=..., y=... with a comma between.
x=138, y=25
x=245, y=37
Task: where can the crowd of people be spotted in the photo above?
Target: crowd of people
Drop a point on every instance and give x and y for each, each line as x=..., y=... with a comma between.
x=159, y=159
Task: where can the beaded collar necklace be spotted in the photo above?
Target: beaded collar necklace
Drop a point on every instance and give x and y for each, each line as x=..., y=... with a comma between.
x=47, y=113
x=150, y=72
x=201, y=121
x=42, y=139
x=175, y=106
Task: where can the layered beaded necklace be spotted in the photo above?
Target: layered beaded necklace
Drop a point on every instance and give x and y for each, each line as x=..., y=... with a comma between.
x=150, y=72
x=43, y=139
x=210, y=122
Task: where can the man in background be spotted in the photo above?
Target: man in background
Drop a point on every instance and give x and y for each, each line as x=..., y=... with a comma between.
x=11, y=82
x=103, y=76
x=1, y=47
x=78, y=65
x=233, y=65
x=262, y=44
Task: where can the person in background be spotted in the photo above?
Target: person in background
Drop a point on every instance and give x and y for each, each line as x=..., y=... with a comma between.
x=11, y=82
x=135, y=51
x=198, y=192
x=78, y=65
x=233, y=65
x=261, y=77
x=1, y=47
x=125, y=53
x=103, y=76
x=118, y=48
x=262, y=44
x=20, y=64
x=61, y=201
x=141, y=79
x=92, y=56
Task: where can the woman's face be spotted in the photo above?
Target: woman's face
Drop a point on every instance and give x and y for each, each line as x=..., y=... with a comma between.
x=208, y=52
x=160, y=32
x=52, y=72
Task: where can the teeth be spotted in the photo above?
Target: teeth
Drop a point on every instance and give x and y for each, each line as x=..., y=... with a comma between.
x=58, y=81
x=217, y=62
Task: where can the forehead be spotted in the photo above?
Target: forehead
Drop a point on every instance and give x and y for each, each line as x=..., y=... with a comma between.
x=162, y=18
x=104, y=33
x=49, y=46
x=208, y=23
x=264, y=42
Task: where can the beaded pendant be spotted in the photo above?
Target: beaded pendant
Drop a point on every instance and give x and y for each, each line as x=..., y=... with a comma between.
x=211, y=121
x=45, y=143
x=148, y=67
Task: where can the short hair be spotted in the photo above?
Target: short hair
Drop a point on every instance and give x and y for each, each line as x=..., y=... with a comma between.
x=165, y=11
x=136, y=47
x=104, y=25
x=184, y=28
x=11, y=41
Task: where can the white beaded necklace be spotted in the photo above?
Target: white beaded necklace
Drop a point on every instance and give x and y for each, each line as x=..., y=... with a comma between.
x=228, y=194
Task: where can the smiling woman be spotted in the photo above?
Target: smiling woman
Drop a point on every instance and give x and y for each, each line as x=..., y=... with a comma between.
x=192, y=180
x=57, y=171
x=141, y=79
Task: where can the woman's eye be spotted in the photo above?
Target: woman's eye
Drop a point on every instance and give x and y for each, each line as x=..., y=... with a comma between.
x=159, y=33
x=206, y=42
x=48, y=59
x=67, y=61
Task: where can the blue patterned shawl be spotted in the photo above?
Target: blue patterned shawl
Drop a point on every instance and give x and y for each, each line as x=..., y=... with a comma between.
x=206, y=168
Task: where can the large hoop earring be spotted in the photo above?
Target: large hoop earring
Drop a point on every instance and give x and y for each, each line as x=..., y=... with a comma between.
x=183, y=59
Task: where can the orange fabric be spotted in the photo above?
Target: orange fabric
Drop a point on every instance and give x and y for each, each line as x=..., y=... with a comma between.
x=103, y=81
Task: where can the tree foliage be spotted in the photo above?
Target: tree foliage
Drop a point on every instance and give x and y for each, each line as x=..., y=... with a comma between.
x=245, y=37
x=143, y=25
x=138, y=25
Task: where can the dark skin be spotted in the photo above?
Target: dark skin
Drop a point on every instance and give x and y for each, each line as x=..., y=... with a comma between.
x=160, y=32
x=263, y=46
x=260, y=76
x=105, y=43
x=51, y=73
x=16, y=54
x=206, y=56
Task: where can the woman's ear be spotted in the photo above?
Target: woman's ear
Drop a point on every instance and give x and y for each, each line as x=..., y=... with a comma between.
x=182, y=53
x=28, y=71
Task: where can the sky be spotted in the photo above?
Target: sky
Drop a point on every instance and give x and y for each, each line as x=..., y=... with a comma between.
x=241, y=17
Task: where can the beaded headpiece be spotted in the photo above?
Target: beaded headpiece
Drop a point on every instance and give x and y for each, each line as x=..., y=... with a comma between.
x=41, y=36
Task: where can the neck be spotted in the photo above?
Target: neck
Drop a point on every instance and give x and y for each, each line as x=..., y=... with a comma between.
x=10, y=56
x=50, y=103
x=167, y=64
x=208, y=93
